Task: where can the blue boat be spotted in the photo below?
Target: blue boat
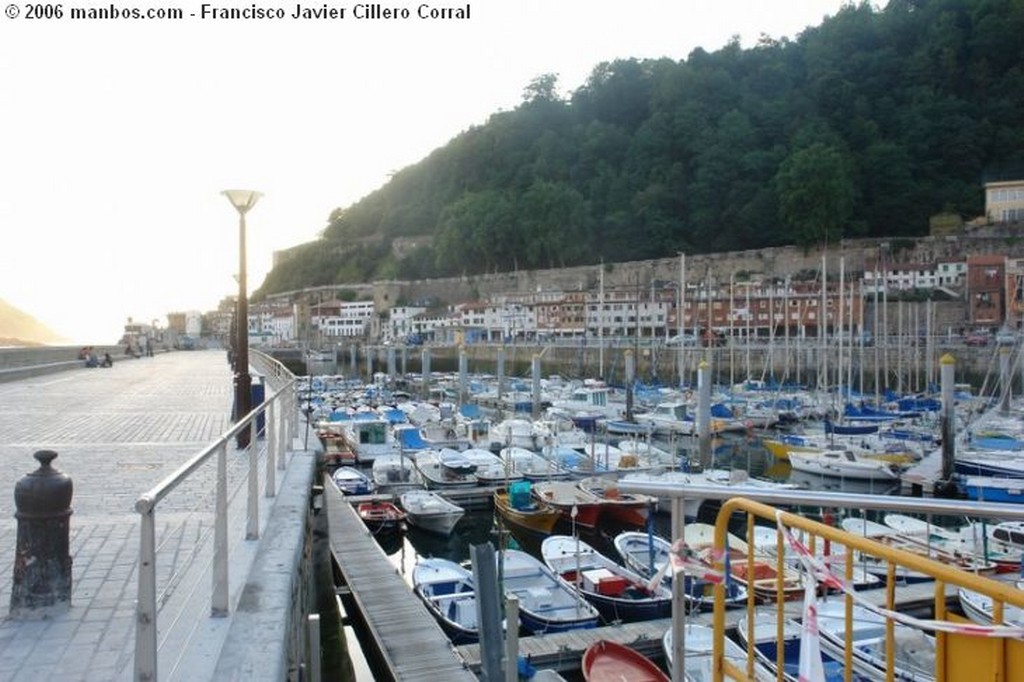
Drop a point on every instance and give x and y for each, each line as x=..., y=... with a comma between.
x=546, y=604
x=620, y=594
x=352, y=481
x=994, y=489
x=447, y=589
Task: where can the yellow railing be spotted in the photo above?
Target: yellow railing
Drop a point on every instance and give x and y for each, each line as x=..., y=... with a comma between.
x=959, y=656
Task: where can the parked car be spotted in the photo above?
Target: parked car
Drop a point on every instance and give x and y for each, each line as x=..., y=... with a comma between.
x=976, y=339
x=1006, y=337
x=682, y=340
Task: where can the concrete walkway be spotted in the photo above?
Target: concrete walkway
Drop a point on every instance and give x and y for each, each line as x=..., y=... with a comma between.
x=118, y=432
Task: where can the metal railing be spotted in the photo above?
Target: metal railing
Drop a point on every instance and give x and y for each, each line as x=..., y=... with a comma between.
x=1000, y=593
x=278, y=413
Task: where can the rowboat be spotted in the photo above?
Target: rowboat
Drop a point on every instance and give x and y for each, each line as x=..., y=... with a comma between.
x=697, y=644
x=620, y=594
x=608, y=661
x=517, y=506
x=647, y=554
x=352, y=481
x=380, y=515
x=914, y=656
x=447, y=589
x=978, y=607
x=766, y=541
x=427, y=510
x=546, y=604
x=763, y=579
x=766, y=650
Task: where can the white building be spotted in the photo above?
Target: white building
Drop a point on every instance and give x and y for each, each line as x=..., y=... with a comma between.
x=343, y=318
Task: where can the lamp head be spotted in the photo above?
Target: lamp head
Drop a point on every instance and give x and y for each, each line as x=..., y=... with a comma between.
x=242, y=199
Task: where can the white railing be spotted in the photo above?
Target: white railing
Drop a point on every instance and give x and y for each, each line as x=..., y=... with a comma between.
x=279, y=415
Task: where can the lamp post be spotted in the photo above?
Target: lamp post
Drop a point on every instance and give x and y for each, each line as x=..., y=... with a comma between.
x=242, y=200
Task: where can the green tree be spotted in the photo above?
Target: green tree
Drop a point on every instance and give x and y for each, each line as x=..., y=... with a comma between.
x=815, y=194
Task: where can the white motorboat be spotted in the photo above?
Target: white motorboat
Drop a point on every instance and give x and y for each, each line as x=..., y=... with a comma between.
x=395, y=474
x=843, y=464
x=446, y=468
x=429, y=511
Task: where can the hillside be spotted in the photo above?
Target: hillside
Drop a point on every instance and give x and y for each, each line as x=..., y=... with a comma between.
x=18, y=328
x=864, y=126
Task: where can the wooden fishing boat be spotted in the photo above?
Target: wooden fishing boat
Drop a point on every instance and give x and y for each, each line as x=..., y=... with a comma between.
x=763, y=580
x=628, y=509
x=574, y=504
x=608, y=661
x=447, y=589
x=766, y=541
x=647, y=553
x=429, y=511
x=516, y=505
x=546, y=604
x=620, y=594
x=380, y=515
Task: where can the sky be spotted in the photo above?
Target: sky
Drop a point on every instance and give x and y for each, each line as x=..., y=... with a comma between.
x=120, y=134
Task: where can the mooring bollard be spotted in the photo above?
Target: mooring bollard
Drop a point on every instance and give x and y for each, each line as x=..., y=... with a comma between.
x=41, y=583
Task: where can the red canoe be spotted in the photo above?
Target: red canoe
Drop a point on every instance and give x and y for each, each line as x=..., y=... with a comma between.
x=607, y=661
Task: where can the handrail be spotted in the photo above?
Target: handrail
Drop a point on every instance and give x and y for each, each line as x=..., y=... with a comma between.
x=279, y=412
x=753, y=503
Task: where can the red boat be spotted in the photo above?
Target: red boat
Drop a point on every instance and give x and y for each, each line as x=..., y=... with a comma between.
x=609, y=661
x=380, y=515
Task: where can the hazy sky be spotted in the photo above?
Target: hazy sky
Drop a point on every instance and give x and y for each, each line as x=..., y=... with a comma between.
x=118, y=135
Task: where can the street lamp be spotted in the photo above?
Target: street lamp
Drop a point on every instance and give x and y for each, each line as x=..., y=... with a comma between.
x=242, y=200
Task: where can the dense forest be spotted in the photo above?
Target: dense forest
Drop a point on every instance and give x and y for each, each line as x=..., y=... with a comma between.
x=866, y=125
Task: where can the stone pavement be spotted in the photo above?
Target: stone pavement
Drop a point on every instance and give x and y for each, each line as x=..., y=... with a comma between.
x=118, y=432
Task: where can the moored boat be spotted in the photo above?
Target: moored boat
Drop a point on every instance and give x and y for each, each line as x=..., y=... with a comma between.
x=517, y=505
x=546, y=604
x=628, y=509
x=428, y=510
x=697, y=642
x=395, y=474
x=844, y=464
x=447, y=589
x=608, y=661
x=647, y=554
x=445, y=468
x=575, y=505
x=380, y=515
x=352, y=481
x=620, y=594
x=764, y=578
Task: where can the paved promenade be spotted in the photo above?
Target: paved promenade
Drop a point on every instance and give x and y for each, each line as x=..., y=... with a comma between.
x=118, y=432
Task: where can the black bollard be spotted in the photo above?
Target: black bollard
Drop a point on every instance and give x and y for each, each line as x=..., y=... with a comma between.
x=41, y=583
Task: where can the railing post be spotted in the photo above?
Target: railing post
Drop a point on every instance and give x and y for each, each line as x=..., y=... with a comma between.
x=252, y=507
x=271, y=487
x=284, y=420
x=219, y=598
x=145, y=606
x=315, y=672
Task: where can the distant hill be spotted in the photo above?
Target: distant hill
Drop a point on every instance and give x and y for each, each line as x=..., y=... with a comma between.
x=864, y=126
x=18, y=328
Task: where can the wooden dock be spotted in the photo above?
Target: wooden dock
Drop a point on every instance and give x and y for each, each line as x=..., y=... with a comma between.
x=563, y=651
x=407, y=637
